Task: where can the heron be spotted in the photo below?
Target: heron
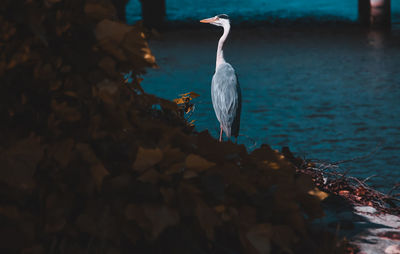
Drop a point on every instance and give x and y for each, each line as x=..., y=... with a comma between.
x=225, y=89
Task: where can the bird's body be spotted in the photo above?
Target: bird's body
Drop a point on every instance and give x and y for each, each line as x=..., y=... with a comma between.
x=226, y=99
x=225, y=88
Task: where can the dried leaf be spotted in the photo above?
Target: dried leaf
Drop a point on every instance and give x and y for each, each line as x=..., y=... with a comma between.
x=259, y=238
x=65, y=112
x=147, y=158
x=97, y=169
x=318, y=193
x=179, y=100
x=150, y=176
x=197, y=163
x=19, y=162
x=153, y=219
x=98, y=172
x=189, y=174
x=62, y=151
x=194, y=95
x=111, y=30
x=100, y=11
x=208, y=219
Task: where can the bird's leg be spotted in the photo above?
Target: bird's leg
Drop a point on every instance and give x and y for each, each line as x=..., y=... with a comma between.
x=220, y=135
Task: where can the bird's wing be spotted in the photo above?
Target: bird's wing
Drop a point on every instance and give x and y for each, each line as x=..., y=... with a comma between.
x=225, y=96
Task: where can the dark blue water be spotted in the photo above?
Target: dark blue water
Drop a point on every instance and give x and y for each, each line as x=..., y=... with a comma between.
x=330, y=93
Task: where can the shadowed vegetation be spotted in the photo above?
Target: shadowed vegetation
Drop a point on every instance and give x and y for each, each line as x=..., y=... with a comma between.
x=92, y=164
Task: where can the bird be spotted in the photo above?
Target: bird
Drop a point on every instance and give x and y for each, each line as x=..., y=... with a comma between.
x=226, y=94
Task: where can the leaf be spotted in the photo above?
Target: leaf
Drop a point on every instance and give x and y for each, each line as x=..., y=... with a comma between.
x=150, y=176
x=19, y=162
x=55, y=221
x=194, y=95
x=147, y=158
x=179, y=100
x=98, y=172
x=197, y=163
x=189, y=174
x=207, y=218
x=111, y=30
x=62, y=151
x=259, y=238
x=318, y=193
x=100, y=11
x=137, y=49
x=97, y=169
x=64, y=112
x=152, y=218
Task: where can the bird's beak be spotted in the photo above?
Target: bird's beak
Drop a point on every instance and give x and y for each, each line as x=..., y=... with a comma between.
x=210, y=20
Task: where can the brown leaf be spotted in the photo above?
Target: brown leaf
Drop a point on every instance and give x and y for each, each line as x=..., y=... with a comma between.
x=111, y=30
x=179, y=100
x=98, y=172
x=107, y=91
x=284, y=237
x=65, y=112
x=189, y=174
x=197, y=163
x=112, y=48
x=147, y=158
x=171, y=156
x=19, y=162
x=55, y=220
x=194, y=95
x=87, y=153
x=175, y=169
x=137, y=49
x=100, y=11
x=259, y=238
x=321, y=195
x=168, y=194
x=152, y=218
x=108, y=65
x=150, y=176
x=207, y=218
x=11, y=212
x=97, y=169
x=62, y=151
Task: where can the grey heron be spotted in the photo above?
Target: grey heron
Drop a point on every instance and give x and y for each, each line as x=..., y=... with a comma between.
x=225, y=89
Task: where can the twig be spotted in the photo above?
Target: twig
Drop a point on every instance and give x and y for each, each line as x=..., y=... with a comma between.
x=379, y=146
x=369, y=177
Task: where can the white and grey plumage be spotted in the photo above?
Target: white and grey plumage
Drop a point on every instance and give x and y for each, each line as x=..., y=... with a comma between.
x=225, y=88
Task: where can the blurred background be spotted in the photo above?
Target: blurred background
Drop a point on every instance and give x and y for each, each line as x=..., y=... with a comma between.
x=260, y=10
x=312, y=78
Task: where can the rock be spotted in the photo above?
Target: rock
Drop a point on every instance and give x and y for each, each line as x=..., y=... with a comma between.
x=365, y=209
x=393, y=249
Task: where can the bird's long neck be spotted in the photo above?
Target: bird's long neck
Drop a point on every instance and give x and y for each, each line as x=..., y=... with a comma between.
x=220, y=51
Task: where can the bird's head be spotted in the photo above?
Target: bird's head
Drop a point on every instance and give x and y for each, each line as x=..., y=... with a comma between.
x=219, y=20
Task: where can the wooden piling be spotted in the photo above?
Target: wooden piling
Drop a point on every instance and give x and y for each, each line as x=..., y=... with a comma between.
x=374, y=13
x=364, y=12
x=380, y=13
x=120, y=6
